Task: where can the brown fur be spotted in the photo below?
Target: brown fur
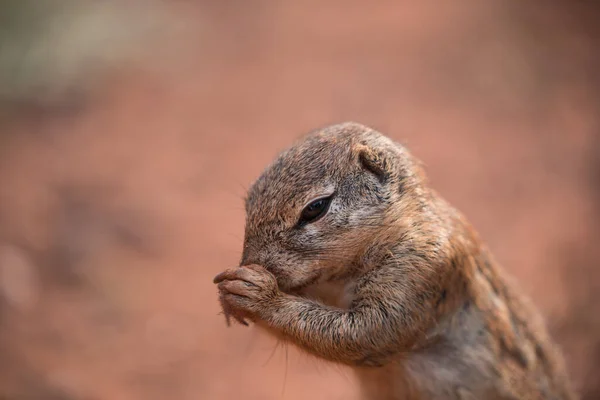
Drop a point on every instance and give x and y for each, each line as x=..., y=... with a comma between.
x=392, y=281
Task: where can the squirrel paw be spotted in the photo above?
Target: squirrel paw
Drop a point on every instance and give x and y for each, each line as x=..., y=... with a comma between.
x=246, y=292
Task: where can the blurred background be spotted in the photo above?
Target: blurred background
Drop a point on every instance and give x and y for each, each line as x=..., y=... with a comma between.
x=129, y=132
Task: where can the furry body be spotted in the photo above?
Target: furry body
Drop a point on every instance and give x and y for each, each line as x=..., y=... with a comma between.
x=391, y=280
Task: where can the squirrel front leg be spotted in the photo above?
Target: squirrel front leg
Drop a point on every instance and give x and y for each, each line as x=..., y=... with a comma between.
x=387, y=316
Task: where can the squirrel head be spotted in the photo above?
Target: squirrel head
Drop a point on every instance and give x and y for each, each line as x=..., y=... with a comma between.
x=319, y=208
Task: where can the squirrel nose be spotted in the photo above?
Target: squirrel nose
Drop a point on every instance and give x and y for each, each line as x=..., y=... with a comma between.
x=249, y=257
x=256, y=258
x=248, y=261
x=258, y=253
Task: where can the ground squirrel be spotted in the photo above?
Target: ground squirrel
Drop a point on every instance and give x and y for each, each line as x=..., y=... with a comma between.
x=350, y=255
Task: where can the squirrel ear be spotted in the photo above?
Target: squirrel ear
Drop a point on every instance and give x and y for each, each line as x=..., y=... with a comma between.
x=375, y=161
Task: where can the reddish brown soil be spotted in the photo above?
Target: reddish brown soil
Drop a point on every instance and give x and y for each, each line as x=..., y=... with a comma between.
x=115, y=217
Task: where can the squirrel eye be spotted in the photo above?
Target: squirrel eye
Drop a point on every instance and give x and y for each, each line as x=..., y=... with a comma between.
x=314, y=211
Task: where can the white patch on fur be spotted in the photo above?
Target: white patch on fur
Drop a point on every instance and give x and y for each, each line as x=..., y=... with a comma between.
x=337, y=294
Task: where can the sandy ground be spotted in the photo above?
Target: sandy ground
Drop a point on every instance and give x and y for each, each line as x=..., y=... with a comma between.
x=114, y=217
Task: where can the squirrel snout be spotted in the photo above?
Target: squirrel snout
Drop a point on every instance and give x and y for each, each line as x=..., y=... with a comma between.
x=249, y=256
x=257, y=254
x=246, y=260
x=252, y=258
x=255, y=259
